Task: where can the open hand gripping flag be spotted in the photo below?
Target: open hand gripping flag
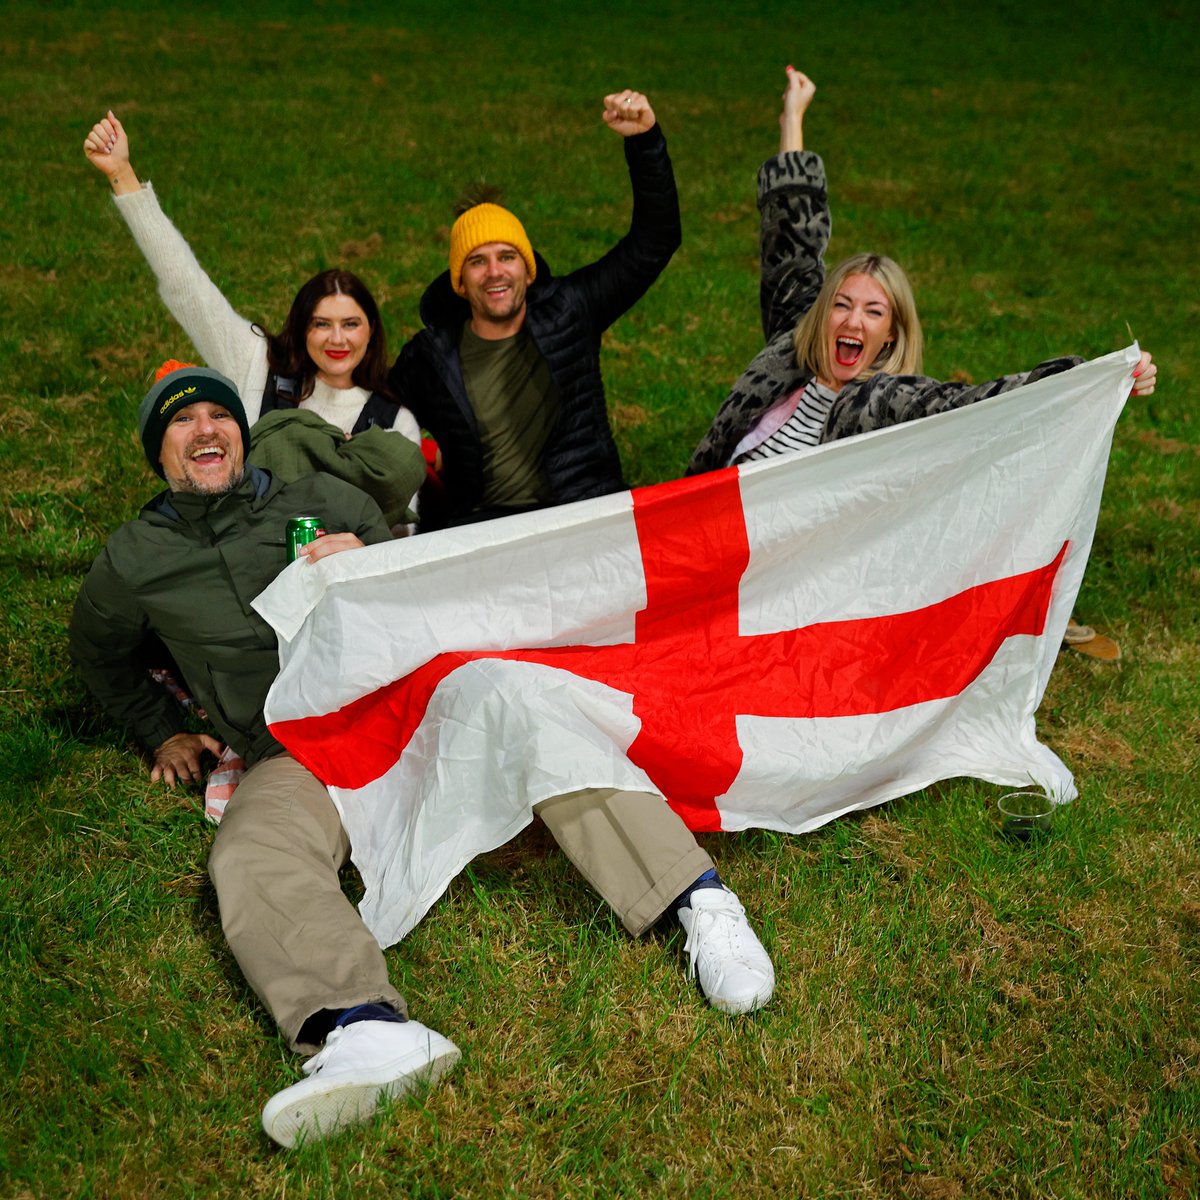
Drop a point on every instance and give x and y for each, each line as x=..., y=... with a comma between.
x=771, y=645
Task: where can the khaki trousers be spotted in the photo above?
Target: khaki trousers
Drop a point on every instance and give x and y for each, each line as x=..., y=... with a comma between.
x=298, y=940
x=302, y=945
x=631, y=847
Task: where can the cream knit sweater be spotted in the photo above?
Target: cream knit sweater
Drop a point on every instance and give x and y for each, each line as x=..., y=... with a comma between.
x=225, y=340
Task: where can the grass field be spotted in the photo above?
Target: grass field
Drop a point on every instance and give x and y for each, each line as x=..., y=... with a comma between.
x=955, y=1017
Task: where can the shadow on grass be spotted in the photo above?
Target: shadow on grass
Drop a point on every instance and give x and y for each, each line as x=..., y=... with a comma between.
x=39, y=748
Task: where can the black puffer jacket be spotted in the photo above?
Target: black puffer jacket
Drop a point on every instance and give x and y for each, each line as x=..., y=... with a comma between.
x=566, y=317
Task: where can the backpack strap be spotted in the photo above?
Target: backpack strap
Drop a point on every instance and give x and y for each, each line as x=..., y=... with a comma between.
x=378, y=410
x=282, y=392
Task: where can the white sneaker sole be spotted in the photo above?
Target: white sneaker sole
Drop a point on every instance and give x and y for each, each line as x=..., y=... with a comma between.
x=738, y=1005
x=319, y=1108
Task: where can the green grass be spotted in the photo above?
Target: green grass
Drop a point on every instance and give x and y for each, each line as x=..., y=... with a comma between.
x=955, y=1017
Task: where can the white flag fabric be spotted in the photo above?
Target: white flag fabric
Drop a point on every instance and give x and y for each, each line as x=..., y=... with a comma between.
x=767, y=646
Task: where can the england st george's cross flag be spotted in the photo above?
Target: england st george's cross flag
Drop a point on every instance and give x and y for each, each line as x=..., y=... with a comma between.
x=771, y=645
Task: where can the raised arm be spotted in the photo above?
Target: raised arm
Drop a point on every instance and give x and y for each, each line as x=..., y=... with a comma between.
x=797, y=96
x=795, y=223
x=628, y=113
x=222, y=338
x=617, y=281
x=107, y=149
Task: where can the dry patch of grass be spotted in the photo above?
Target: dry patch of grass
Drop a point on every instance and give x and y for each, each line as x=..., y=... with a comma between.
x=1094, y=745
x=1165, y=445
x=135, y=359
x=358, y=248
x=628, y=416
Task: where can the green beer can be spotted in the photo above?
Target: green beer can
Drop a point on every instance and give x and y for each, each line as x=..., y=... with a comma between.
x=301, y=531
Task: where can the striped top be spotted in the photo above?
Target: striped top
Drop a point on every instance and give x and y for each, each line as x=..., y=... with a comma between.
x=802, y=430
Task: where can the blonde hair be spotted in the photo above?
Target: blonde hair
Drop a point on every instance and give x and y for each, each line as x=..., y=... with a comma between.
x=902, y=355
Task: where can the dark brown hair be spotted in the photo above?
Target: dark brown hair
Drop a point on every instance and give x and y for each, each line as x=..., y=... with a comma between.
x=287, y=351
x=478, y=192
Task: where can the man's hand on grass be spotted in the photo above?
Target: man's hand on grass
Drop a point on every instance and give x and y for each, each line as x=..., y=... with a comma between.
x=178, y=758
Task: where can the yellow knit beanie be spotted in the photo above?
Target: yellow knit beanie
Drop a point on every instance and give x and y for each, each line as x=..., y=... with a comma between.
x=477, y=227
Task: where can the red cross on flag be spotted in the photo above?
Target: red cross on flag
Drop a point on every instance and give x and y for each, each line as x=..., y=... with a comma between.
x=772, y=645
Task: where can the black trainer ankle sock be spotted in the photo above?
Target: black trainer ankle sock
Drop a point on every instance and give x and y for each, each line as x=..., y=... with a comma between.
x=318, y=1027
x=367, y=1012
x=710, y=879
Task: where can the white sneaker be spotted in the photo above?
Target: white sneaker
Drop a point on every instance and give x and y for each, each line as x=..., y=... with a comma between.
x=733, y=968
x=360, y=1066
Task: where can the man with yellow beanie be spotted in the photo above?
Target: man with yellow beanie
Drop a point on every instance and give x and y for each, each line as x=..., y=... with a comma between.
x=506, y=376
x=506, y=373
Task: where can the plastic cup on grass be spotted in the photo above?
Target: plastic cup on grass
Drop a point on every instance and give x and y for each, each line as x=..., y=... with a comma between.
x=1025, y=815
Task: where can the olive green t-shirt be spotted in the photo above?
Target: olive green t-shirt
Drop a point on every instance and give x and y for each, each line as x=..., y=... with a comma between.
x=516, y=405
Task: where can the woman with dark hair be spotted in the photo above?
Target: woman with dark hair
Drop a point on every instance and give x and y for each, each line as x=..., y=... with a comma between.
x=309, y=349
x=843, y=353
x=330, y=358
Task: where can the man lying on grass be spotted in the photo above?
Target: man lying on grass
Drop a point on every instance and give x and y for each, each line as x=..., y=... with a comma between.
x=187, y=570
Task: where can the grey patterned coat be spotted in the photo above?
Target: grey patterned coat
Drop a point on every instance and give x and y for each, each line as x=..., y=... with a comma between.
x=795, y=233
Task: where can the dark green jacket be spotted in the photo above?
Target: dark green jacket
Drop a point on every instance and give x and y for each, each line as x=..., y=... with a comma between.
x=187, y=570
x=290, y=442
